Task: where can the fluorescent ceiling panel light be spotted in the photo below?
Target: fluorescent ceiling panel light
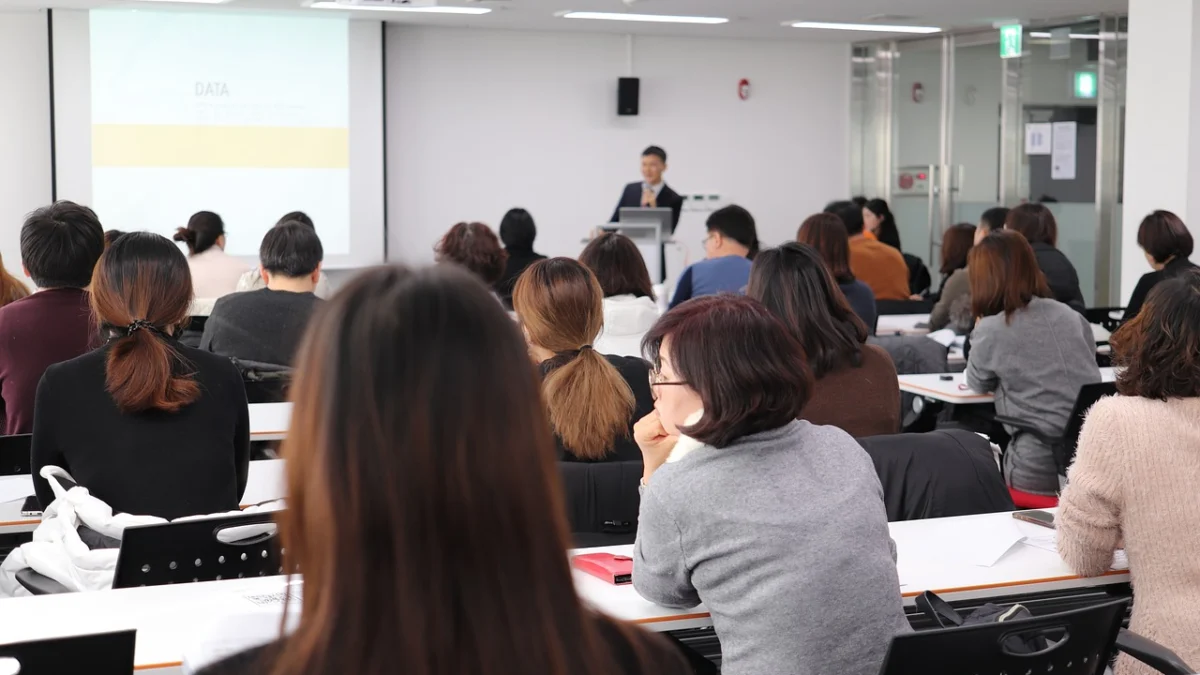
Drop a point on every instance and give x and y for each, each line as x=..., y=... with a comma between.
x=871, y=27
x=1073, y=36
x=652, y=18
x=391, y=8
x=192, y=2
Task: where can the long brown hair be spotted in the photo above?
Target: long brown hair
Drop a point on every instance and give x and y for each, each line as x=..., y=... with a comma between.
x=956, y=244
x=1004, y=275
x=560, y=303
x=826, y=233
x=11, y=288
x=425, y=508
x=141, y=293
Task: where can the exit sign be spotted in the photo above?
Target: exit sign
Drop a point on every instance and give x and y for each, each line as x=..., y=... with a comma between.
x=1086, y=84
x=1010, y=42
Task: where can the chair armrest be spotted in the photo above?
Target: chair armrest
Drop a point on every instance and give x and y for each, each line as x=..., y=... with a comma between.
x=39, y=584
x=1025, y=427
x=1152, y=654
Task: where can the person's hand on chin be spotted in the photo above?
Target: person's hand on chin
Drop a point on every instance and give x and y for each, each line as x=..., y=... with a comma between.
x=655, y=442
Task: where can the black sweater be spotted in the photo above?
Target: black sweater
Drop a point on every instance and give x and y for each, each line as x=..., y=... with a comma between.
x=637, y=375
x=1060, y=276
x=1150, y=280
x=169, y=465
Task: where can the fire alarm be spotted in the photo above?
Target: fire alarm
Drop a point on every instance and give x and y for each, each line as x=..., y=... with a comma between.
x=744, y=89
x=918, y=92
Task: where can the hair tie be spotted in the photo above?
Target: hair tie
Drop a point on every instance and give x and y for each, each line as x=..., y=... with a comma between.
x=586, y=347
x=141, y=324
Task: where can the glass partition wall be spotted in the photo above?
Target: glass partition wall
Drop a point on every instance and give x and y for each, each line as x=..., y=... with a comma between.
x=944, y=128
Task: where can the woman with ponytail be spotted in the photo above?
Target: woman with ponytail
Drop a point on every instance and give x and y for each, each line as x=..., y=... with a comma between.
x=593, y=399
x=215, y=273
x=146, y=424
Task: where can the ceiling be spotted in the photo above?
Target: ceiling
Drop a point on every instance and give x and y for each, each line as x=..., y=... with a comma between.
x=759, y=19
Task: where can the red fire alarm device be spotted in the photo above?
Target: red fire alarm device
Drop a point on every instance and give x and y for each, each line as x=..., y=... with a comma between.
x=744, y=89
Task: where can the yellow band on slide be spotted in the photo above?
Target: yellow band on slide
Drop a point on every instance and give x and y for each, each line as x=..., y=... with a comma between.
x=148, y=145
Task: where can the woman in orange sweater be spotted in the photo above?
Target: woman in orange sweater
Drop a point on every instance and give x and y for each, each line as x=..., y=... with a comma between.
x=1134, y=480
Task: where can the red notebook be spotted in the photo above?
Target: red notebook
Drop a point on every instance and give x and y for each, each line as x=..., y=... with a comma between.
x=615, y=569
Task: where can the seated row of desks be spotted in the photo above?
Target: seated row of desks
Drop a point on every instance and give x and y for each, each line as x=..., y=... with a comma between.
x=939, y=555
x=952, y=387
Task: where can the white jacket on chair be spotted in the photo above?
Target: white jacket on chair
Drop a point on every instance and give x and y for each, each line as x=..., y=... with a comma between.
x=626, y=321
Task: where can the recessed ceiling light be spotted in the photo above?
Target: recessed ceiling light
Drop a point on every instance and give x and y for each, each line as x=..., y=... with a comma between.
x=432, y=9
x=652, y=18
x=871, y=27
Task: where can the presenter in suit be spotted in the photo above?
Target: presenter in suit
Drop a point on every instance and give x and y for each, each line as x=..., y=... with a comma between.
x=652, y=192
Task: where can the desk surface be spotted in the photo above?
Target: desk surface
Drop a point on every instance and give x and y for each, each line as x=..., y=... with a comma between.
x=907, y=324
x=931, y=385
x=269, y=421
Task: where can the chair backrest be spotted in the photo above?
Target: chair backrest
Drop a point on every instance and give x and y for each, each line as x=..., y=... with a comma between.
x=890, y=307
x=199, y=550
x=602, y=501
x=1088, y=395
x=1103, y=317
x=100, y=654
x=919, y=279
x=265, y=382
x=14, y=455
x=937, y=474
x=1081, y=642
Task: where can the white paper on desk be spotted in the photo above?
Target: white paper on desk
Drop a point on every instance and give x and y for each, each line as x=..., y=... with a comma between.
x=985, y=546
x=13, y=488
x=944, y=337
x=238, y=632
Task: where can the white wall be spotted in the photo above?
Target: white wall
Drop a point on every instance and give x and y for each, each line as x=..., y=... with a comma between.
x=24, y=126
x=481, y=121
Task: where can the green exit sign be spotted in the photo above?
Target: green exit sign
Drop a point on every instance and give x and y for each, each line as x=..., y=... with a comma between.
x=1010, y=42
x=1086, y=84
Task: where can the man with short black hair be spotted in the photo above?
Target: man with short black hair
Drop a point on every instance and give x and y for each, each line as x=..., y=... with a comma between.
x=652, y=191
x=253, y=279
x=60, y=245
x=265, y=326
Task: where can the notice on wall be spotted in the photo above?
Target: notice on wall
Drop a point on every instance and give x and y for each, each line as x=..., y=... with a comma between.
x=1062, y=157
x=1037, y=138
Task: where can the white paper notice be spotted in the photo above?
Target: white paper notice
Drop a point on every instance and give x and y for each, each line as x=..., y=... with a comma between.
x=1038, y=138
x=986, y=546
x=1062, y=159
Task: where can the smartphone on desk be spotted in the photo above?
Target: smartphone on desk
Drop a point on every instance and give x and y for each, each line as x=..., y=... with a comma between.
x=32, y=508
x=1043, y=518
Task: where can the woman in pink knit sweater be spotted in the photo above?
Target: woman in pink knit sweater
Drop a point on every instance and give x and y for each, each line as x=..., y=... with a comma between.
x=1137, y=470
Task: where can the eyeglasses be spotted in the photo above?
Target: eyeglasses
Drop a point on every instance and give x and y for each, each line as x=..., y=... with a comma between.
x=657, y=381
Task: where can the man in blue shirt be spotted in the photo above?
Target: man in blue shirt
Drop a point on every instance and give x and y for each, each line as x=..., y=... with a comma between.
x=731, y=242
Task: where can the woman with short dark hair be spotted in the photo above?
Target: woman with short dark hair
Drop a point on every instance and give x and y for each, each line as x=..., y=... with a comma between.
x=474, y=247
x=856, y=388
x=827, y=234
x=1036, y=223
x=146, y=424
x=629, y=303
x=1133, y=484
x=753, y=512
x=425, y=509
x=1167, y=244
x=955, y=286
x=517, y=231
x=1034, y=352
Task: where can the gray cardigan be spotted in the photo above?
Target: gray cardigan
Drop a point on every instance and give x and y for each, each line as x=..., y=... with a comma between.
x=784, y=537
x=1035, y=365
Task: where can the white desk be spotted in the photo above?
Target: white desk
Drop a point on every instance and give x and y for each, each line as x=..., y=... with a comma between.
x=928, y=558
x=932, y=386
x=902, y=324
x=264, y=483
x=269, y=421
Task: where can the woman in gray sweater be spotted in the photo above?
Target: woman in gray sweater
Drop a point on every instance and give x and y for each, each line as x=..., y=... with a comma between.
x=1034, y=352
x=776, y=525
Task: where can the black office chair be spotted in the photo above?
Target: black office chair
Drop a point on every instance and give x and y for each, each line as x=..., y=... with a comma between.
x=1101, y=316
x=1063, y=445
x=602, y=501
x=265, y=382
x=891, y=307
x=194, y=330
x=100, y=653
x=198, y=550
x=919, y=279
x=14, y=455
x=1080, y=643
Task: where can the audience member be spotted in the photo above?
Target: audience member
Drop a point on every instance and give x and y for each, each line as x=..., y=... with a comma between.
x=110, y=236
x=1167, y=244
x=1034, y=352
x=856, y=388
x=754, y=513
x=214, y=272
x=517, y=231
x=593, y=398
x=991, y=220
x=1036, y=223
x=12, y=289
x=1133, y=484
x=878, y=265
x=729, y=247
x=955, y=285
x=253, y=279
x=266, y=325
x=475, y=247
x=878, y=220
x=60, y=245
x=629, y=303
x=826, y=233
x=425, y=506
x=147, y=425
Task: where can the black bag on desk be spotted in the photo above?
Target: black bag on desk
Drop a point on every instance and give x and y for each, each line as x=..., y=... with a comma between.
x=945, y=616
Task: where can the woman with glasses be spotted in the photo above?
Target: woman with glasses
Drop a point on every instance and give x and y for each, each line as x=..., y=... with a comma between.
x=778, y=526
x=593, y=399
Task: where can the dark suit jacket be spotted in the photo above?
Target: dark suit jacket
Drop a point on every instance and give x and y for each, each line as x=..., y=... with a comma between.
x=631, y=198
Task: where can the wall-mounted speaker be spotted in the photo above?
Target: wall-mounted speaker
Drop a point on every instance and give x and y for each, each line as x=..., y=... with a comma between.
x=628, y=93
